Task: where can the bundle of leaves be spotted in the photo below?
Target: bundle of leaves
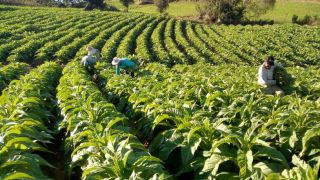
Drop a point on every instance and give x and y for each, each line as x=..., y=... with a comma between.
x=284, y=79
x=11, y=72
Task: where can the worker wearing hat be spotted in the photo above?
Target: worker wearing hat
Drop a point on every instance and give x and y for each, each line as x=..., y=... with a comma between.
x=90, y=60
x=124, y=63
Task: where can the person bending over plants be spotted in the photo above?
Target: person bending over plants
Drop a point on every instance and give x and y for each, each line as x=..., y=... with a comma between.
x=266, y=77
x=90, y=60
x=124, y=63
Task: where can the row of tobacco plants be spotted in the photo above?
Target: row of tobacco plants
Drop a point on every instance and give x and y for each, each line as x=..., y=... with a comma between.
x=27, y=115
x=99, y=139
x=45, y=34
x=214, y=122
x=198, y=121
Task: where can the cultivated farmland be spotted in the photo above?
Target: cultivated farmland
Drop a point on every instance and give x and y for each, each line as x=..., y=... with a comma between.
x=194, y=109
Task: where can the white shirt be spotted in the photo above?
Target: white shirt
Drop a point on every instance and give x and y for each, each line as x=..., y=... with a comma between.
x=265, y=76
x=88, y=60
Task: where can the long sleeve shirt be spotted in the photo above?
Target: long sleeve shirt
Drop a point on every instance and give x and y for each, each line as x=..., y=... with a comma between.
x=91, y=58
x=125, y=64
x=265, y=76
x=88, y=60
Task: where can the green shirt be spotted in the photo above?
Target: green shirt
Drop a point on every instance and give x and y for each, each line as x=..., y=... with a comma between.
x=125, y=64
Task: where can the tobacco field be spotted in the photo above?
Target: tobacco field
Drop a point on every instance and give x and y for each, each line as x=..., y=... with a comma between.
x=194, y=109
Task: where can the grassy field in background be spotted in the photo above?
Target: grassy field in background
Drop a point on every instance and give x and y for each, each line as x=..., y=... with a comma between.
x=178, y=9
x=282, y=12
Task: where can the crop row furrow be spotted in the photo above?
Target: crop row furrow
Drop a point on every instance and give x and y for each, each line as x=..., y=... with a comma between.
x=190, y=114
x=104, y=35
x=177, y=56
x=98, y=137
x=68, y=52
x=184, y=44
x=158, y=46
x=143, y=49
x=243, y=57
x=21, y=30
x=13, y=49
x=232, y=39
x=24, y=18
x=48, y=50
x=200, y=45
x=109, y=50
x=127, y=45
x=226, y=55
x=11, y=72
x=25, y=118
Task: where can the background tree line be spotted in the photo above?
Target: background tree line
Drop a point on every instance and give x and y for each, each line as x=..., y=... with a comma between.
x=57, y=3
x=217, y=11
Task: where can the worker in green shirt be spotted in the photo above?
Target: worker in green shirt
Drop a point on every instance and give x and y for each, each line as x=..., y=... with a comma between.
x=124, y=63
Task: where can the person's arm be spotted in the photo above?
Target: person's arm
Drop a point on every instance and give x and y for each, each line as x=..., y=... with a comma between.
x=268, y=80
x=271, y=71
x=117, y=69
x=261, y=76
x=83, y=61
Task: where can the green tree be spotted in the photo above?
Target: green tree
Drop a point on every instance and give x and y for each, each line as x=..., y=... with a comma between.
x=162, y=5
x=126, y=3
x=94, y=4
x=256, y=8
x=232, y=11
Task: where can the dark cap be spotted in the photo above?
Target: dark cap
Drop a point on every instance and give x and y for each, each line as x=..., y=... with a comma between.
x=269, y=60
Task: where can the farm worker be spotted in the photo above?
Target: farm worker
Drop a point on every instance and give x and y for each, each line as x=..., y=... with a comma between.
x=266, y=77
x=124, y=63
x=90, y=60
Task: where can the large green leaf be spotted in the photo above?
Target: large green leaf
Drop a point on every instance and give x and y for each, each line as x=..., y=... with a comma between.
x=18, y=175
x=311, y=133
x=272, y=153
x=245, y=159
x=25, y=143
x=268, y=168
x=211, y=165
x=159, y=119
x=188, y=150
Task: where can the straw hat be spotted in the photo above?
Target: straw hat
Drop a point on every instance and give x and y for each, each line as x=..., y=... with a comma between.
x=115, y=61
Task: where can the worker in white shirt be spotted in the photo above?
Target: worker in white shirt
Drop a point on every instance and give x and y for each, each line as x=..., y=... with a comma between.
x=90, y=60
x=266, y=77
